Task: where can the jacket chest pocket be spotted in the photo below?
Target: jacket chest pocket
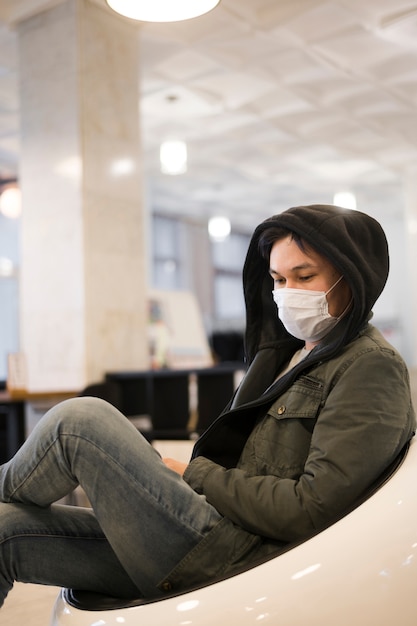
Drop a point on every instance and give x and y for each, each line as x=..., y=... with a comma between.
x=284, y=436
x=302, y=400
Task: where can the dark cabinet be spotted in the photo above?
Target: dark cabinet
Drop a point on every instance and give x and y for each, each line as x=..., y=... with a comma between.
x=166, y=396
x=12, y=426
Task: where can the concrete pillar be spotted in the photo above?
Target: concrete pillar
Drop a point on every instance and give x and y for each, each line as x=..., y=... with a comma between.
x=409, y=282
x=83, y=258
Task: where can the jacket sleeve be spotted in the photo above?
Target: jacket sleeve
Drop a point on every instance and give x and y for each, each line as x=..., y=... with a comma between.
x=364, y=422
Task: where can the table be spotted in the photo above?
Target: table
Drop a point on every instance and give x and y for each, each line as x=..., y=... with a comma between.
x=12, y=417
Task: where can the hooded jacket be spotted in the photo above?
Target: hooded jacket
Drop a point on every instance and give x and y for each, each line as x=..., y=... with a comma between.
x=288, y=457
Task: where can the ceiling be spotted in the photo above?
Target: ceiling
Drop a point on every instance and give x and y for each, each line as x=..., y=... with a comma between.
x=281, y=102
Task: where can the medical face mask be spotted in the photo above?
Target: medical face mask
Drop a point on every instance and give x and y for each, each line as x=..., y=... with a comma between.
x=305, y=313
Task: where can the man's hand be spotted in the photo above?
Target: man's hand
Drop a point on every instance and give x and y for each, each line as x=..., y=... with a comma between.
x=175, y=466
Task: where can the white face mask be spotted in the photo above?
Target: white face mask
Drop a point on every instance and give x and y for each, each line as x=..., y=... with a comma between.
x=305, y=313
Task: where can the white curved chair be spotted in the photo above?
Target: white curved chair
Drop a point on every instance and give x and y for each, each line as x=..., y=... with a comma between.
x=361, y=570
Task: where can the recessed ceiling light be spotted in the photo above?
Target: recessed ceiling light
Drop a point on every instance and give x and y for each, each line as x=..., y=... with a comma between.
x=345, y=199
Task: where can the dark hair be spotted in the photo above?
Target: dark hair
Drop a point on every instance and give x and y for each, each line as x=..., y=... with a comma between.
x=276, y=233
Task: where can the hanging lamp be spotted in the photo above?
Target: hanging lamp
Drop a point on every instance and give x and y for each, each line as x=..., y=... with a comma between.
x=173, y=157
x=162, y=10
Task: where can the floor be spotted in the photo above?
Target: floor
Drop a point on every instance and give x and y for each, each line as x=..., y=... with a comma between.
x=28, y=605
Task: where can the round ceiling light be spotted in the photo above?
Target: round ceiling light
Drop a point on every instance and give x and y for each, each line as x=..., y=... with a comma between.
x=345, y=199
x=219, y=228
x=162, y=10
x=11, y=202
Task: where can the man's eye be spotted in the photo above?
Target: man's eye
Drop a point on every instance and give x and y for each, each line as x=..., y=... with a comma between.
x=306, y=278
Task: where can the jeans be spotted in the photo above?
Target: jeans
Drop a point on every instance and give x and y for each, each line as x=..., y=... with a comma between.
x=144, y=517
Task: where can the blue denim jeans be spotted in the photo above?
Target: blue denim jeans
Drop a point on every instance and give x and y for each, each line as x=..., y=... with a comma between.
x=144, y=517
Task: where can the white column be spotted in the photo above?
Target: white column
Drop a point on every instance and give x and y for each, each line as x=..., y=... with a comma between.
x=83, y=277
x=409, y=285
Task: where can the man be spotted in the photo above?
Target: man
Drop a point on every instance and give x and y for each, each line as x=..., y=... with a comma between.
x=322, y=411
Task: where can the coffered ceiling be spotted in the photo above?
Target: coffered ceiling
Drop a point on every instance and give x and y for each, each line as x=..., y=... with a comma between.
x=281, y=102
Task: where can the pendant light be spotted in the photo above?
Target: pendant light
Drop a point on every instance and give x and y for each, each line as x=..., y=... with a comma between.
x=173, y=157
x=162, y=10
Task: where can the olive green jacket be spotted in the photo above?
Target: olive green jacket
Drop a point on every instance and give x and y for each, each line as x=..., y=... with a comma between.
x=318, y=448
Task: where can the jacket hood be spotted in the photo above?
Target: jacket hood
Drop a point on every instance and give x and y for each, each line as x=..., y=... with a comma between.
x=352, y=241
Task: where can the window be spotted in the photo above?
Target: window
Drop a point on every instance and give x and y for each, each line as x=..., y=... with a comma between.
x=166, y=261
x=228, y=259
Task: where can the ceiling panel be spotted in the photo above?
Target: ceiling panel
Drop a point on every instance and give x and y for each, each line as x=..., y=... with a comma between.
x=280, y=102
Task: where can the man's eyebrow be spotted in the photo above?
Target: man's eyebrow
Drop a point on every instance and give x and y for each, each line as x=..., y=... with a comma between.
x=273, y=272
x=302, y=266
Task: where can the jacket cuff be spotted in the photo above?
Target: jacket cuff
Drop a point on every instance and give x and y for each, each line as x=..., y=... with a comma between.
x=197, y=471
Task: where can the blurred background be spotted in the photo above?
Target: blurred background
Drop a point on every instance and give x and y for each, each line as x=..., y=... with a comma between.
x=271, y=103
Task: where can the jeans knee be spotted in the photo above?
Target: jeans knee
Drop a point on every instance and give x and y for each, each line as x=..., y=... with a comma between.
x=84, y=415
x=77, y=415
